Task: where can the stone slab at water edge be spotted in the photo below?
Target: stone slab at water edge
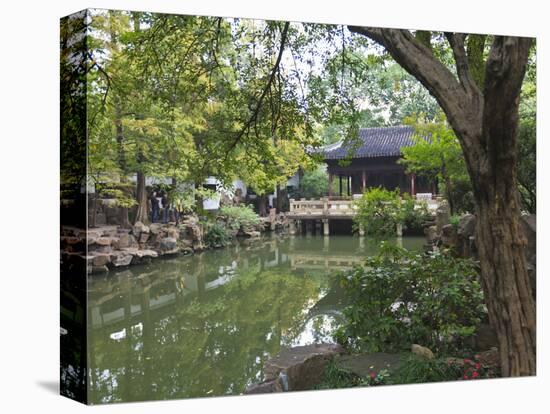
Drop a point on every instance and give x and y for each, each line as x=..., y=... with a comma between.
x=296, y=369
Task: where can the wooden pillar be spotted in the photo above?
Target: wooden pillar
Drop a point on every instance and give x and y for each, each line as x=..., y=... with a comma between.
x=413, y=184
x=340, y=180
x=330, y=179
x=363, y=180
x=348, y=179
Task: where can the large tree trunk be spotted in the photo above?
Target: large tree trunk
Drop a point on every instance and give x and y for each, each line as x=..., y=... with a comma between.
x=142, y=213
x=262, y=205
x=505, y=280
x=486, y=124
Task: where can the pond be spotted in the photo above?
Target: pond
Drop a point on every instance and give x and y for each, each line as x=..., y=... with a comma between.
x=203, y=325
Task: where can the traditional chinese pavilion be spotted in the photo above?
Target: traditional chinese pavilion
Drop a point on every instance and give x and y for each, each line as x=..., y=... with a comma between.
x=373, y=163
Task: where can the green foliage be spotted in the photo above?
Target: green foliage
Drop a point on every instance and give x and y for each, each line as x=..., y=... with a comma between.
x=437, y=154
x=314, y=184
x=380, y=210
x=414, y=369
x=334, y=378
x=393, y=91
x=527, y=139
x=454, y=220
x=238, y=217
x=216, y=236
x=184, y=201
x=398, y=298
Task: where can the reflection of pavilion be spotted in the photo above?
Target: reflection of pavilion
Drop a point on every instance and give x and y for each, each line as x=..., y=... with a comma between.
x=320, y=261
x=128, y=299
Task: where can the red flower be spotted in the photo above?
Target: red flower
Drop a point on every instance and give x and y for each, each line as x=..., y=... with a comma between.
x=467, y=361
x=475, y=374
x=465, y=376
x=373, y=375
x=478, y=365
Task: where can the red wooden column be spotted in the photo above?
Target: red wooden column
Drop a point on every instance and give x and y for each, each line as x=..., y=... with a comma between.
x=413, y=184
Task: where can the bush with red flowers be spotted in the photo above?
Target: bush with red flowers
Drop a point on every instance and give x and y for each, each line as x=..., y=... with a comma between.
x=474, y=369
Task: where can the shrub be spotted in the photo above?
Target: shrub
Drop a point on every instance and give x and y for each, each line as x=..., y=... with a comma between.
x=334, y=377
x=398, y=298
x=380, y=210
x=239, y=216
x=414, y=369
x=216, y=236
x=473, y=368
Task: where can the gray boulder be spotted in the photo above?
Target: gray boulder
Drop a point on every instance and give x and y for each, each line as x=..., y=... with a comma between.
x=101, y=259
x=121, y=258
x=422, y=351
x=168, y=244
x=139, y=228
x=442, y=216
x=302, y=367
x=467, y=226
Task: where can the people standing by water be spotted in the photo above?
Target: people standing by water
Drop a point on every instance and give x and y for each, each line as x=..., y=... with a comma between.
x=165, y=207
x=155, y=207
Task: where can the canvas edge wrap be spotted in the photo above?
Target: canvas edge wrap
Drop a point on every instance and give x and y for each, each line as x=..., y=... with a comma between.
x=74, y=65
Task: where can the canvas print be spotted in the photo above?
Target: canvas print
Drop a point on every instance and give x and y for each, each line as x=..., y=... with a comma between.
x=253, y=206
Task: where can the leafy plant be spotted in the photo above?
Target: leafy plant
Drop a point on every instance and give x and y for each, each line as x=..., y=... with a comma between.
x=398, y=298
x=381, y=377
x=239, y=216
x=437, y=153
x=335, y=377
x=379, y=211
x=216, y=236
x=414, y=369
x=454, y=220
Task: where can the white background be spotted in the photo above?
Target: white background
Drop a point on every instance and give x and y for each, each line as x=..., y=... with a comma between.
x=29, y=147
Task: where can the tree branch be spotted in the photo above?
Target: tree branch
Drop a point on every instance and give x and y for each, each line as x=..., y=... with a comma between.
x=463, y=110
x=504, y=74
x=253, y=118
x=456, y=40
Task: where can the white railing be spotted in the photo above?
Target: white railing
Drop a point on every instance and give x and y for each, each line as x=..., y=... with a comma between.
x=321, y=207
x=325, y=208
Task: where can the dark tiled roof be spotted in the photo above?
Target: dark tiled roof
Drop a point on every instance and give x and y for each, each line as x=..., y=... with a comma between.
x=374, y=142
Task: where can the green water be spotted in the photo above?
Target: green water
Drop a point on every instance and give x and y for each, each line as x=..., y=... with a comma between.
x=204, y=325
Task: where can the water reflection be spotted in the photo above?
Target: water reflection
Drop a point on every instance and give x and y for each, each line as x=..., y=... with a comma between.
x=204, y=325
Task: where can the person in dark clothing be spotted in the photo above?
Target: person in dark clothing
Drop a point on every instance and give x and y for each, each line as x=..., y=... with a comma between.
x=154, y=207
x=165, y=207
